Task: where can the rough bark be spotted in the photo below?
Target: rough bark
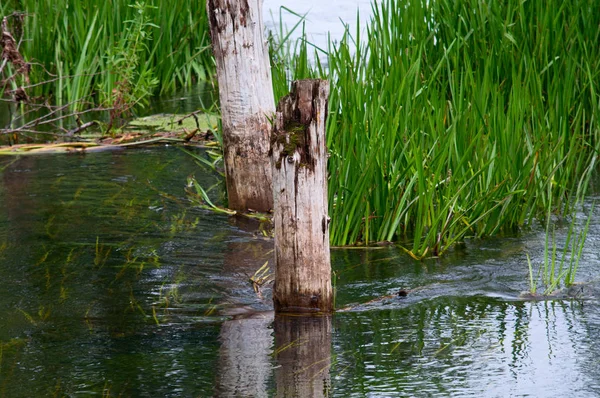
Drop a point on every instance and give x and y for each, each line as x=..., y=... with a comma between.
x=299, y=161
x=246, y=98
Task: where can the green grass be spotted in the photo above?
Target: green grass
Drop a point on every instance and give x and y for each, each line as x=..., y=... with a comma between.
x=86, y=47
x=559, y=267
x=458, y=119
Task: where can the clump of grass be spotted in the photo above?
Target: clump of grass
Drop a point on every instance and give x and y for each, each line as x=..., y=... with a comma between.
x=459, y=118
x=559, y=267
x=85, y=47
x=128, y=82
x=289, y=58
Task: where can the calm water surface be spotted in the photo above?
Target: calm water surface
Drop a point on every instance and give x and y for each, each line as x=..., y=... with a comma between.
x=114, y=284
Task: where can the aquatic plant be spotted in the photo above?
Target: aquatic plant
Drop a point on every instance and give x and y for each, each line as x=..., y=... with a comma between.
x=128, y=82
x=79, y=47
x=457, y=118
x=261, y=277
x=289, y=58
x=201, y=198
x=559, y=267
x=101, y=254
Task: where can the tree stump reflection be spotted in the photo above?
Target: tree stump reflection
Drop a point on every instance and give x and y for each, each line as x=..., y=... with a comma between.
x=245, y=363
x=303, y=355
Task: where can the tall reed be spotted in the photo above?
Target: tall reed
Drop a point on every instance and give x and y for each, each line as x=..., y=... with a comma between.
x=457, y=118
x=71, y=42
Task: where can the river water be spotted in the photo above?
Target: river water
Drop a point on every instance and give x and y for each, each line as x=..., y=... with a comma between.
x=322, y=19
x=114, y=283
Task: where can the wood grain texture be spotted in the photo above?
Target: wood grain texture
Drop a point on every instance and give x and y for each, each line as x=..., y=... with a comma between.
x=246, y=98
x=299, y=163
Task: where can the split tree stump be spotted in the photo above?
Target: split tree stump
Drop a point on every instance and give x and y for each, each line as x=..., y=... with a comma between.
x=299, y=162
x=246, y=98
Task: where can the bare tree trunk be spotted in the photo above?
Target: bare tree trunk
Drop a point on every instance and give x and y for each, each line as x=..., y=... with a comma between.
x=246, y=97
x=299, y=159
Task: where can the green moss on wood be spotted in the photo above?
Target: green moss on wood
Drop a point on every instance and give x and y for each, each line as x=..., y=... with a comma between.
x=292, y=139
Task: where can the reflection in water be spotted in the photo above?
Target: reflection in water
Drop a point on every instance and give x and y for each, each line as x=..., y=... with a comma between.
x=300, y=356
x=303, y=355
x=244, y=357
x=246, y=339
x=112, y=284
x=465, y=347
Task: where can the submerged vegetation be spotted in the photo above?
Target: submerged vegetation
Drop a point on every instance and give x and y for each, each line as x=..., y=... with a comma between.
x=458, y=118
x=115, y=51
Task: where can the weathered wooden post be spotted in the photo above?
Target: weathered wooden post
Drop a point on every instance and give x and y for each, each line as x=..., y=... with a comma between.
x=246, y=98
x=299, y=161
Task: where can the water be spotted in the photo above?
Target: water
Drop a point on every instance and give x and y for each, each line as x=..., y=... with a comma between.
x=323, y=19
x=114, y=284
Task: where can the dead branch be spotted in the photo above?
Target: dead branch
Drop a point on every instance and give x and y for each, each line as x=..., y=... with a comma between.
x=193, y=114
x=11, y=54
x=81, y=128
x=28, y=131
x=59, y=78
x=31, y=126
